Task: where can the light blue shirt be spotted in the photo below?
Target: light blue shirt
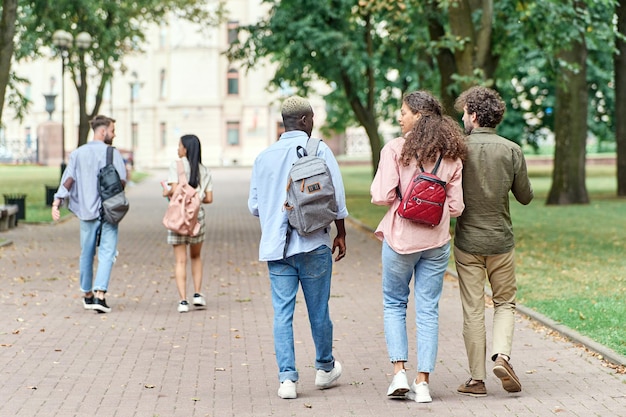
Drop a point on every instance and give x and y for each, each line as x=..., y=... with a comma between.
x=268, y=192
x=84, y=165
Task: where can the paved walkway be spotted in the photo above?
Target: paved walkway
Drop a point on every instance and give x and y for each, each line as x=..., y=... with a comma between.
x=144, y=359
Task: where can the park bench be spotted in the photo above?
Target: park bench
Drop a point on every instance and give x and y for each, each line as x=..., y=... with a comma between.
x=8, y=216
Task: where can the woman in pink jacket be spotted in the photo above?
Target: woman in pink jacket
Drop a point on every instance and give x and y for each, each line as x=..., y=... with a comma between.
x=414, y=249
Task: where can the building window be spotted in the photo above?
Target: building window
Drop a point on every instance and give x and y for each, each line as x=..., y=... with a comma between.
x=233, y=82
x=163, y=134
x=232, y=133
x=233, y=27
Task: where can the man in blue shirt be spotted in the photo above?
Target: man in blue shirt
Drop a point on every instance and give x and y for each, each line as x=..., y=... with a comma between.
x=79, y=184
x=307, y=260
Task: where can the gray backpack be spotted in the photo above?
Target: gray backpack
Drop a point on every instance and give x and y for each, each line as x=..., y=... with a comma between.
x=310, y=202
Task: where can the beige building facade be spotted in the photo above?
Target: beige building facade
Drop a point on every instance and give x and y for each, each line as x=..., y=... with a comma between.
x=180, y=83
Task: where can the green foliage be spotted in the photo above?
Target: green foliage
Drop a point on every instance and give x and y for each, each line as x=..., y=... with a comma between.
x=527, y=68
x=363, y=51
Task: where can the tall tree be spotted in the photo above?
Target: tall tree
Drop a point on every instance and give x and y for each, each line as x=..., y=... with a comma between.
x=620, y=97
x=362, y=49
x=7, y=32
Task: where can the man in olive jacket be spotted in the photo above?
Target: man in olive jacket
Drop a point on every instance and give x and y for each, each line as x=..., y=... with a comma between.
x=484, y=244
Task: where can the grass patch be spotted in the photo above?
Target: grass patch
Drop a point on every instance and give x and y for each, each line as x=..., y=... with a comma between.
x=32, y=180
x=570, y=263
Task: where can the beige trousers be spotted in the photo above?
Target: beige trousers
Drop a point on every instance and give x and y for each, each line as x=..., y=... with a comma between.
x=500, y=271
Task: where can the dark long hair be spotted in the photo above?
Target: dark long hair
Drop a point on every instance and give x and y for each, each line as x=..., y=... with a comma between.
x=433, y=133
x=194, y=156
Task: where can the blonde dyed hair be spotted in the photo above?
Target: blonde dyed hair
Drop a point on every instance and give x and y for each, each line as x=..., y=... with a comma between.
x=296, y=106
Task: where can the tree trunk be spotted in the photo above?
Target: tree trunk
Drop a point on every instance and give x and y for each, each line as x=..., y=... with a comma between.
x=570, y=128
x=620, y=99
x=462, y=27
x=81, y=88
x=7, y=32
x=445, y=64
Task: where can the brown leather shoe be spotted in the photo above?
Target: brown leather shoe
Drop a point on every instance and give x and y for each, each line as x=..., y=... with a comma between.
x=473, y=388
x=503, y=370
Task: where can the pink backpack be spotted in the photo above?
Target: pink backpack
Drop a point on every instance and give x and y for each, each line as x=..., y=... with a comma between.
x=182, y=212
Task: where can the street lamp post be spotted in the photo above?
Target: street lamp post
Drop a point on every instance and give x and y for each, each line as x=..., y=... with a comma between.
x=63, y=41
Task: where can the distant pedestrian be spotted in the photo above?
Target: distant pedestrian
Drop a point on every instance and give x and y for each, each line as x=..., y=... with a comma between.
x=199, y=177
x=79, y=185
x=297, y=260
x=483, y=238
x=412, y=249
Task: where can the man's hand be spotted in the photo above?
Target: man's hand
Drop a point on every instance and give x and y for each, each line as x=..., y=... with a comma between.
x=56, y=213
x=339, y=243
x=340, y=240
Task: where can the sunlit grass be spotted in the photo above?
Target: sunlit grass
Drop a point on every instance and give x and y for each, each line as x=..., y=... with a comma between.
x=31, y=180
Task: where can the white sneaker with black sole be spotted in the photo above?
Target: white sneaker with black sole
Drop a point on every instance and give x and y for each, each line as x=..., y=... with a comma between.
x=198, y=300
x=183, y=306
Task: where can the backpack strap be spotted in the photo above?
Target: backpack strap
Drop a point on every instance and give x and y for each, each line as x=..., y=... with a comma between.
x=110, y=155
x=312, y=145
x=109, y=161
x=434, y=171
x=311, y=148
x=182, y=178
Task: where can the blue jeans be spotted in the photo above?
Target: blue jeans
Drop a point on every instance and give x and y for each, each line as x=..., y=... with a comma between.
x=312, y=271
x=429, y=267
x=106, y=254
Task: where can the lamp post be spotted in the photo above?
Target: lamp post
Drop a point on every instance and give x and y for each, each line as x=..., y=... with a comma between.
x=63, y=41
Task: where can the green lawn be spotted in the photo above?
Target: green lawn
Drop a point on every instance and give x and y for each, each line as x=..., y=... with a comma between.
x=31, y=181
x=570, y=259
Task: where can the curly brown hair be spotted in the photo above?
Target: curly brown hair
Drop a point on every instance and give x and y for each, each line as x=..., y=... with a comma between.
x=485, y=102
x=434, y=133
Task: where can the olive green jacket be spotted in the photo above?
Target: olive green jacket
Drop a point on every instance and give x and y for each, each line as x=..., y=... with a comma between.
x=494, y=166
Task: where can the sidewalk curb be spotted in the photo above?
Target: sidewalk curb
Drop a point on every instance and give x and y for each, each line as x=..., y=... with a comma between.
x=605, y=353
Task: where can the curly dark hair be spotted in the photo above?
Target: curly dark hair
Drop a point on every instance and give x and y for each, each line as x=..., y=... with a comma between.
x=485, y=102
x=434, y=133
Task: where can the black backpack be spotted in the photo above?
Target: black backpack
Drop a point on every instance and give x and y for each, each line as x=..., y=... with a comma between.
x=114, y=204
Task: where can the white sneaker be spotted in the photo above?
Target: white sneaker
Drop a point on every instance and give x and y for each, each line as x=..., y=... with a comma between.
x=420, y=392
x=287, y=390
x=325, y=379
x=399, y=385
x=198, y=300
x=183, y=307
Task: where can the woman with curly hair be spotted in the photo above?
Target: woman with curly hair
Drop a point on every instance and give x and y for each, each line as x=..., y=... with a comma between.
x=413, y=249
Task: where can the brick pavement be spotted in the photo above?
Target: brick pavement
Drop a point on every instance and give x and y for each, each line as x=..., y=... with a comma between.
x=144, y=359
